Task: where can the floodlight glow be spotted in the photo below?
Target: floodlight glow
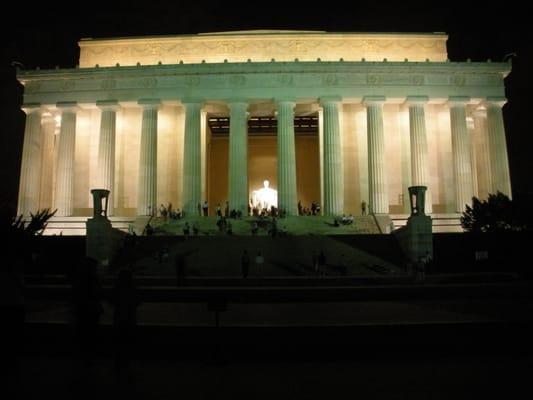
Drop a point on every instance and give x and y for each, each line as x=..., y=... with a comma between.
x=265, y=197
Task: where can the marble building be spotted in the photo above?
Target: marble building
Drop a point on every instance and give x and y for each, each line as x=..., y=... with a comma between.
x=338, y=118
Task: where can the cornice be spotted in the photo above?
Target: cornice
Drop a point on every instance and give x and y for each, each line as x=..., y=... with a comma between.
x=265, y=80
x=150, y=71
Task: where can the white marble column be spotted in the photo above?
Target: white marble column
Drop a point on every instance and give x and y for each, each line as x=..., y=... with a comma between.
x=321, y=156
x=473, y=158
x=203, y=151
x=49, y=160
x=481, y=142
x=462, y=165
x=30, y=169
x=238, y=156
x=64, y=194
x=500, y=179
x=192, y=163
x=378, y=201
x=106, y=150
x=287, y=189
x=419, y=146
x=147, y=186
x=333, y=196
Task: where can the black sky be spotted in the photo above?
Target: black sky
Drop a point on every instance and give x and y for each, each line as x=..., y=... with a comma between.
x=46, y=35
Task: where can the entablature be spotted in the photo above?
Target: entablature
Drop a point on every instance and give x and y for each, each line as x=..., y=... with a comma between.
x=266, y=80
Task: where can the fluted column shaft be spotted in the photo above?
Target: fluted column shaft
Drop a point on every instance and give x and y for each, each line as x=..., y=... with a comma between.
x=500, y=179
x=287, y=189
x=482, y=153
x=333, y=196
x=192, y=163
x=462, y=166
x=147, y=186
x=30, y=172
x=419, y=147
x=64, y=195
x=106, y=151
x=378, y=201
x=238, y=157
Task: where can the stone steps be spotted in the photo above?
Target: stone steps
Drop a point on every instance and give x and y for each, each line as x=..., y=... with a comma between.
x=75, y=226
x=442, y=223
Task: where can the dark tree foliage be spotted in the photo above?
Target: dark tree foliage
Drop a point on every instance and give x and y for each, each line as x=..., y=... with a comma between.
x=37, y=224
x=496, y=214
x=18, y=235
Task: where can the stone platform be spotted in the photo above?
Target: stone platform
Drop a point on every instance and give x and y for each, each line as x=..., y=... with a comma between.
x=308, y=225
x=284, y=256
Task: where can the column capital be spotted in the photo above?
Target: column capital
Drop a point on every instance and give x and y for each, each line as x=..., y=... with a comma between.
x=149, y=103
x=416, y=100
x=454, y=101
x=373, y=100
x=192, y=100
x=329, y=99
x=111, y=105
x=31, y=107
x=496, y=101
x=67, y=105
x=284, y=103
x=480, y=111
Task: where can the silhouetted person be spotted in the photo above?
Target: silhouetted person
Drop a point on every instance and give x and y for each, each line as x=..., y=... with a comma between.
x=342, y=264
x=322, y=262
x=314, y=261
x=259, y=261
x=245, y=263
x=421, y=270
x=186, y=229
x=205, y=208
x=428, y=261
x=179, y=265
x=87, y=307
x=125, y=301
x=363, y=207
x=149, y=230
x=409, y=268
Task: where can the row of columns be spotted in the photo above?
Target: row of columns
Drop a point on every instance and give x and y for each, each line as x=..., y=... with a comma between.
x=238, y=155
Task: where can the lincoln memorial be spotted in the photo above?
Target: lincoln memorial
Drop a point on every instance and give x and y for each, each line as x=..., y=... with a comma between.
x=335, y=118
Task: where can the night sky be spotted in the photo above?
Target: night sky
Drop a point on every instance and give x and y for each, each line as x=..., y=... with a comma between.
x=47, y=36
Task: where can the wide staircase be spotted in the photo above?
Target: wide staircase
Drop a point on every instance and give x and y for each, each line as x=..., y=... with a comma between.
x=71, y=226
x=284, y=256
x=442, y=223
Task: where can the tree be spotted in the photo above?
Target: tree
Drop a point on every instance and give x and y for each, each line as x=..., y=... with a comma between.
x=37, y=224
x=496, y=214
x=18, y=233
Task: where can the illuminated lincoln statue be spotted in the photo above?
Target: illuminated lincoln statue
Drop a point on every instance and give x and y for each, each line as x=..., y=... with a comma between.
x=265, y=197
x=337, y=118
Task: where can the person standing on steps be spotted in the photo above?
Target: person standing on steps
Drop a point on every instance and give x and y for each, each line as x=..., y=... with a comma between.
x=245, y=264
x=322, y=263
x=259, y=261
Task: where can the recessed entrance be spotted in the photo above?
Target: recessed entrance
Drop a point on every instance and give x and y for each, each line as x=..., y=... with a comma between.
x=262, y=157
